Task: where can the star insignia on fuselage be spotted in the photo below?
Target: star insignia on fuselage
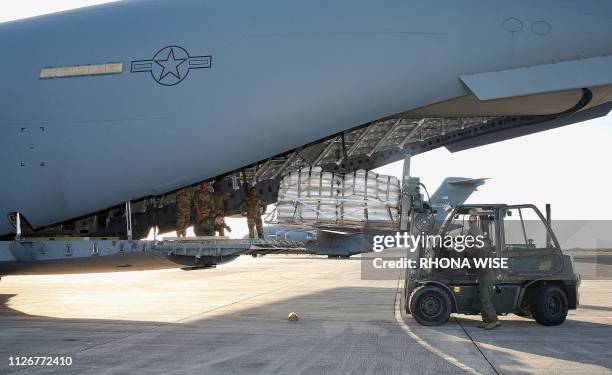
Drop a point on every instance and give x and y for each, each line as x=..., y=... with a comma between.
x=170, y=65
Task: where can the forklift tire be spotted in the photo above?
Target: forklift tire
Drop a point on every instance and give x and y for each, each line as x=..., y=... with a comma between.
x=549, y=306
x=430, y=305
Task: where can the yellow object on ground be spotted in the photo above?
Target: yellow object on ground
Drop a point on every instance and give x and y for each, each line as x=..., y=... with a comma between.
x=293, y=317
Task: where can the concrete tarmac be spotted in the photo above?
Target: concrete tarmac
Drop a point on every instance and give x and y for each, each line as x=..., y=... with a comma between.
x=233, y=320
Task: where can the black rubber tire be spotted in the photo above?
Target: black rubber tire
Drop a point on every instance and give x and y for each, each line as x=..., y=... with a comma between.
x=549, y=305
x=430, y=305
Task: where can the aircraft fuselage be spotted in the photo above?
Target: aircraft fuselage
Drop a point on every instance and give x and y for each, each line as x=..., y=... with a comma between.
x=207, y=87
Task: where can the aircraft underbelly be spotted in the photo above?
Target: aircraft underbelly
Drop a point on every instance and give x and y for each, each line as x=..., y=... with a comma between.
x=276, y=77
x=111, y=263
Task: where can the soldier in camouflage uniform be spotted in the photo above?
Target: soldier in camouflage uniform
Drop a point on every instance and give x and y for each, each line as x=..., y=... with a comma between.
x=253, y=207
x=486, y=277
x=183, y=210
x=220, y=203
x=205, y=211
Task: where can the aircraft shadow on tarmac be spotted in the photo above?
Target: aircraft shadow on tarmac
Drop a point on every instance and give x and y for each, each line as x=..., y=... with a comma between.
x=332, y=336
x=342, y=330
x=4, y=309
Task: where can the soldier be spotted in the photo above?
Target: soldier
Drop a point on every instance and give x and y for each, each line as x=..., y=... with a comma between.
x=221, y=226
x=485, y=277
x=183, y=210
x=220, y=203
x=253, y=207
x=205, y=211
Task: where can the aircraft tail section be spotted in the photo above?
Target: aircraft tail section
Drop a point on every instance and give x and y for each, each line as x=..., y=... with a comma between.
x=452, y=192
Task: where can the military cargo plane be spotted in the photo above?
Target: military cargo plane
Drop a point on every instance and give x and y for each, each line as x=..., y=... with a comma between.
x=130, y=101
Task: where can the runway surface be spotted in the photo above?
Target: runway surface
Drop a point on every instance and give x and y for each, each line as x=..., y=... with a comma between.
x=233, y=320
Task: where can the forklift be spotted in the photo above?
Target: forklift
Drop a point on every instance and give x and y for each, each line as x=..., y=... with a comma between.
x=540, y=282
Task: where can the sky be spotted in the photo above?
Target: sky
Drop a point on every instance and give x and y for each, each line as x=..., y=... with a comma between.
x=13, y=10
x=568, y=167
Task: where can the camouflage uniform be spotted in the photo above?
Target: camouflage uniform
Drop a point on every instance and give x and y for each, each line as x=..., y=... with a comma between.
x=486, y=279
x=205, y=213
x=220, y=206
x=183, y=210
x=254, y=206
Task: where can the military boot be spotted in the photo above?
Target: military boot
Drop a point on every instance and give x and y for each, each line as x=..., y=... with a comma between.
x=493, y=325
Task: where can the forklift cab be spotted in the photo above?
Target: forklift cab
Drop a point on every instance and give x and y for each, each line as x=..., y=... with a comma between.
x=539, y=280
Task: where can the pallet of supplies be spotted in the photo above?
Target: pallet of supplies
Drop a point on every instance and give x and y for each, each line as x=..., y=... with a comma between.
x=315, y=196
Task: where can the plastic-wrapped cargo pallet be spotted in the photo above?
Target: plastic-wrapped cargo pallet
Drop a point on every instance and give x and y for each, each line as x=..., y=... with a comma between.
x=312, y=195
x=379, y=194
